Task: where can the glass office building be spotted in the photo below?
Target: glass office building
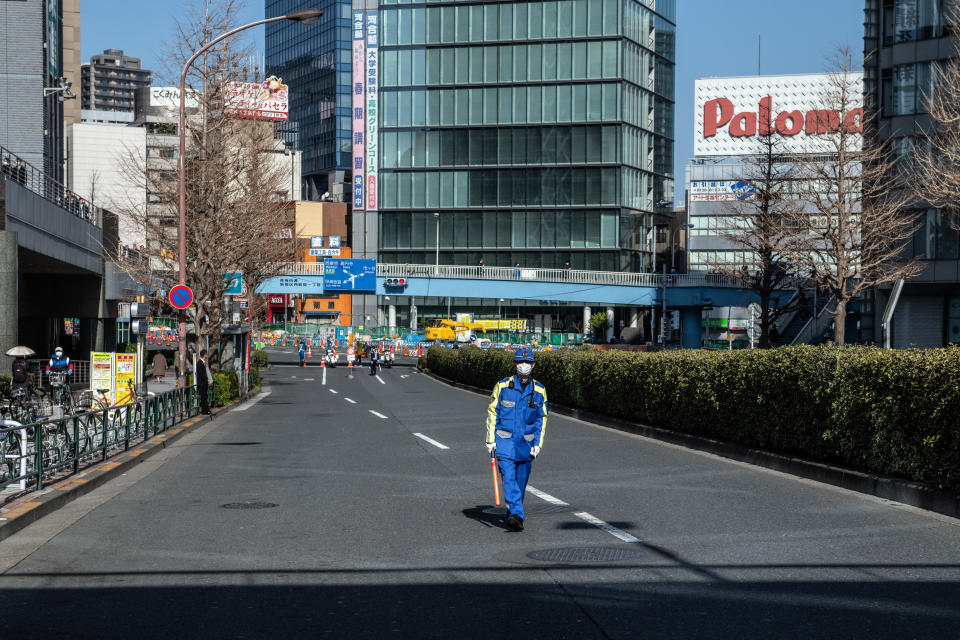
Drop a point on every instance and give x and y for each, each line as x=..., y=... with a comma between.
x=315, y=62
x=540, y=131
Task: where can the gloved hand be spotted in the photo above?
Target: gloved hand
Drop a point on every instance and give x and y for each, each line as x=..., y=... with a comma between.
x=491, y=447
x=535, y=450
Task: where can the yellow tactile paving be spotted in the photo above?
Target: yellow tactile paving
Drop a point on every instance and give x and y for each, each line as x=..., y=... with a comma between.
x=16, y=512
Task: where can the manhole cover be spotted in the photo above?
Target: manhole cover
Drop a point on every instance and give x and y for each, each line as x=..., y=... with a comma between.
x=587, y=554
x=248, y=505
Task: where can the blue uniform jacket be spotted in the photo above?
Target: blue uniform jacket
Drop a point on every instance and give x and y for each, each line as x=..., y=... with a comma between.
x=517, y=417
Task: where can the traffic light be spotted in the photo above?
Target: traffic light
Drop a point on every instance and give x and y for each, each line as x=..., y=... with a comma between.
x=395, y=282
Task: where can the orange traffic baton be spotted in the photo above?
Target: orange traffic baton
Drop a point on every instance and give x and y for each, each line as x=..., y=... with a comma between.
x=496, y=486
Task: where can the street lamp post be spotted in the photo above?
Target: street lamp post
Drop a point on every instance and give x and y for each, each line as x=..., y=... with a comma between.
x=307, y=16
x=673, y=244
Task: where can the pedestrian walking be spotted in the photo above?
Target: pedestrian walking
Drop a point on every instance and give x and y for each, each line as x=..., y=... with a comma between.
x=203, y=380
x=516, y=271
x=566, y=269
x=480, y=268
x=20, y=374
x=516, y=423
x=159, y=367
x=302, y=352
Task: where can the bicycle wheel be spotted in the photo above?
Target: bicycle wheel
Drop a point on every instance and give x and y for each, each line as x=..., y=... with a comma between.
x=10, y=455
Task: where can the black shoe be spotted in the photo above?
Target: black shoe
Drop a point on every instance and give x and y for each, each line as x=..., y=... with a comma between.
x=514, y=522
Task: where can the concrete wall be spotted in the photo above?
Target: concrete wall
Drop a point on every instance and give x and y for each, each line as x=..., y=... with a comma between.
x=98, y=156
x=22, y=66
x=9, y=314
x=71, y=59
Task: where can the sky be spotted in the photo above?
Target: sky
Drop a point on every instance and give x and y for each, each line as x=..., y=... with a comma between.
x=714, y=38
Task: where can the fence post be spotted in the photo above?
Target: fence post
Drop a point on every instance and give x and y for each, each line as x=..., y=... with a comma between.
x=76, y=444
x=38, y=454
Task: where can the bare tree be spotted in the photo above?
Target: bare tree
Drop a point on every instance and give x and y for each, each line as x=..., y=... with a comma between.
x=851, y=233
x=757, y=226
x=936, y=156
x=234, y=173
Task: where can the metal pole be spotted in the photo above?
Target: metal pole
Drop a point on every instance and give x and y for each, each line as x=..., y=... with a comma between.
x=182, y=165
x=436, y=268
x=673, y=250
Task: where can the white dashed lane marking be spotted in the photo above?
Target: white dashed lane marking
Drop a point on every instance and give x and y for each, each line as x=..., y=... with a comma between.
x=379, y=415
x=349, y=400
x=438, y=445
x=333, y=391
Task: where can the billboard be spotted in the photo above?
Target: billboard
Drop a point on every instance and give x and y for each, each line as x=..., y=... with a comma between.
x=264, y=101
x=350, y=275
x=373, y=151
x=359, y=122
x=712, y=190
x=732, y=113
x=169, y=97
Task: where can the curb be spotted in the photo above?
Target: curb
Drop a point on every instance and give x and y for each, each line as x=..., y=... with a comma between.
x=915, y=494
x=65, y=491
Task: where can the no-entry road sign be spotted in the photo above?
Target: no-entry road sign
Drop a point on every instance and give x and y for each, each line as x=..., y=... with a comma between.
x=181, y=296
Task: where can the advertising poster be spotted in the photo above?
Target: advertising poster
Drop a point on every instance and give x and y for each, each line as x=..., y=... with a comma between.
x=125, y=377
x=264, y=101
x=53, y=37
x=101, y=376
x=359, y=122
x=373, y=150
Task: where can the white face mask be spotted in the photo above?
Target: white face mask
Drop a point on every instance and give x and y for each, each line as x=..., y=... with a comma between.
x=524, y=368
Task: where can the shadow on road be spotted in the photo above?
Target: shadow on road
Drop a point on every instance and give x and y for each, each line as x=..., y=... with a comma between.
x=494, y=521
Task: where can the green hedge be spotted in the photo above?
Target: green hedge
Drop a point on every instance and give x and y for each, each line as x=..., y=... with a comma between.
x=227, y=388
x=260, y=359
x=888, y=412
x=254, y=376
x=5, y=382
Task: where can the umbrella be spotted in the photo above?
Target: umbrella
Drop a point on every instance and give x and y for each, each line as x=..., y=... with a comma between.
x=20, y=350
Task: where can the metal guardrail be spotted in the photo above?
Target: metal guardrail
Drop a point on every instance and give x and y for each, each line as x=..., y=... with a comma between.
x=522, y=274
x=34, y=454
x=43, y=185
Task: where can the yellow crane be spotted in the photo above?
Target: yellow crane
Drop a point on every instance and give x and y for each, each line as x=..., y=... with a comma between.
x=445, y=329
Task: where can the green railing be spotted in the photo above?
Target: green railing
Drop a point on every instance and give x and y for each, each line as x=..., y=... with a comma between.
x=55, y=448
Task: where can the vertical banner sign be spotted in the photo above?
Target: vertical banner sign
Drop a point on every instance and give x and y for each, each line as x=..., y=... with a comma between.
x=101, y=376
x=53, y=37
x=372, y=111
x=359, y=122
x=125, y=375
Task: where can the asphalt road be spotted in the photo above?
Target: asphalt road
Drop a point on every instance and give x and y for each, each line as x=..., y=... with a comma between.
x=379, y=533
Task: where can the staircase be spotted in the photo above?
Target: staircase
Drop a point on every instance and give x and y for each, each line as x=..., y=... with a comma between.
x=800, y=320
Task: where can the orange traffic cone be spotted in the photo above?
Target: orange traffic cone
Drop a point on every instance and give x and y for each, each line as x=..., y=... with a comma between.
x=309, y=354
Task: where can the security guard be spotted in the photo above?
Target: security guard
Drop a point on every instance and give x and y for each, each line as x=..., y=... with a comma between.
x=516, y=423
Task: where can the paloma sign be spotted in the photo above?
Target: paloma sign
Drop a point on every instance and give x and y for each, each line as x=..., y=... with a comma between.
x=732, y=112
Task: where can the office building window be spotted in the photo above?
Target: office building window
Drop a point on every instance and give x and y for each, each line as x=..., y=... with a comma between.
x=909, y=20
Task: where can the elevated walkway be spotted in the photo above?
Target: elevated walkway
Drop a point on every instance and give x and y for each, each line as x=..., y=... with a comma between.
x=574, y=285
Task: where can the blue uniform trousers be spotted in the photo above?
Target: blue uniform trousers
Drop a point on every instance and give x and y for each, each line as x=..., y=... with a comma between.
x=515, y=474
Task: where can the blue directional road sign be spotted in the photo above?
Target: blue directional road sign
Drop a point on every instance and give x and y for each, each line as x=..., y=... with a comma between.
x=234, y=282
x=349, y=275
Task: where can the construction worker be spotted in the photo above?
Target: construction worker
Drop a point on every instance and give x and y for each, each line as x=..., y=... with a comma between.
x=302, y=351
x=516, y=423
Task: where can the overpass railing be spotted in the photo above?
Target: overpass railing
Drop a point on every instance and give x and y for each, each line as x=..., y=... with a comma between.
x=579, y=276
x=26, y=175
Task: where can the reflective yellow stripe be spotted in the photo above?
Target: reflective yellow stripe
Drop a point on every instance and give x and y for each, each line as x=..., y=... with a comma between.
x=543, y=425
x=492, y=411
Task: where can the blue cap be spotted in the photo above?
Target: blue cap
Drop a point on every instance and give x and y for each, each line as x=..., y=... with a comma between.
x=523, y=355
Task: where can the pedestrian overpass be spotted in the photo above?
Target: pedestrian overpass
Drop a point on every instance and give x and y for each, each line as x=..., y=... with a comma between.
x=688, y=293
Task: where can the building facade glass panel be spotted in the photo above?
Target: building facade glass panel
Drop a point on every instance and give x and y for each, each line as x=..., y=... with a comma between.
x=533, y=125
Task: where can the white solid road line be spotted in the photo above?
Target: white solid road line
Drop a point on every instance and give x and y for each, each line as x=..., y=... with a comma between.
x=609, y=528
x=431, y=441
x=308, y=379
x=349, y=400
x=546, y=496
x=381, y=380
x=333, y=391
x=324, y=376
x=255, y=400
x=379, y=415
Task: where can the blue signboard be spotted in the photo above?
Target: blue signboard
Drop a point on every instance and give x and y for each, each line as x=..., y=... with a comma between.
x=349, y=275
